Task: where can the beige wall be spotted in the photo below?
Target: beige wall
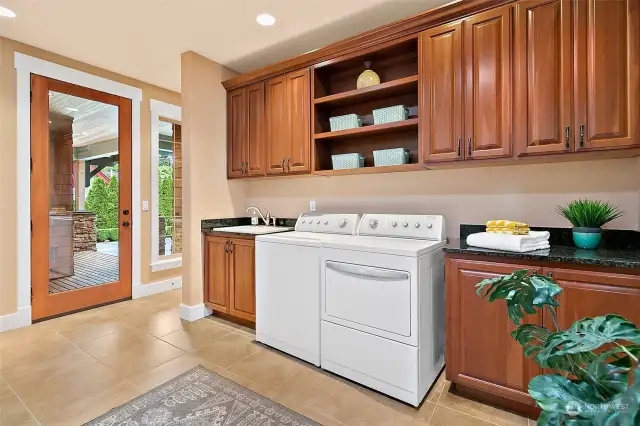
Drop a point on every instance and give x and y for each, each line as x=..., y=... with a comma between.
x=526, y=193
x=8, y=138
x=206, y=193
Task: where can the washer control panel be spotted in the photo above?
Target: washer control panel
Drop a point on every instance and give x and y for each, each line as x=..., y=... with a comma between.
x=422, y=227
x=328, y=223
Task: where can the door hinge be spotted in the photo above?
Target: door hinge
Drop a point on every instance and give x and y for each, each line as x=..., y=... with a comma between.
x=31, y=96
x=32, y=228
x=31, y=164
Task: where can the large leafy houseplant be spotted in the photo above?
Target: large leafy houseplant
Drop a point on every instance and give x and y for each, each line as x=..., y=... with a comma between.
x=596, y=377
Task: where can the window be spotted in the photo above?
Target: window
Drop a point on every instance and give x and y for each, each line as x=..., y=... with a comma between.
x=166, y=186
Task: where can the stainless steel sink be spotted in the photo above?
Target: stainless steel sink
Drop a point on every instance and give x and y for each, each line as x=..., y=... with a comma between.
x=253, y=229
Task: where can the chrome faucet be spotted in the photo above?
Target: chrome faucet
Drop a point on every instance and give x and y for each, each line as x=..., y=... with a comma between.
x=267, y=219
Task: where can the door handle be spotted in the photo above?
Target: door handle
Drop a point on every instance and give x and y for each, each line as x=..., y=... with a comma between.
x=469, y=153
x=582, y=136
x=367, y=272
x=125, y=223
x=226, y=247
x=567, y=134
x=125, y=211
x=289, y=164
x=459, y=145
x=282, y=165
x=230, y=247
x=242, y=167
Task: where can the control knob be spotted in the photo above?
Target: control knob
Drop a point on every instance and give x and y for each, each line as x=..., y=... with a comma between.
x=429, y=225
x=405, y=223
x=343, y=222
x=373, y=223
x=417, y=225
x=394, y=223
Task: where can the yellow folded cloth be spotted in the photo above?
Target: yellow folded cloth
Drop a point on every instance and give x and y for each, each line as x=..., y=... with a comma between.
x=510, y=224
x=512, y=231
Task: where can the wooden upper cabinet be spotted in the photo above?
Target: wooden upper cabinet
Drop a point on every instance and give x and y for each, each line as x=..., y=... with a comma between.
x=277, y=113
x=480, y=350
x=255, y=152
x=543, y=83
x=607, y=73
x=242, y=291
x=299, y=105
x=487, y=71
x=216, y=273
x=236, y=132
x=441, y=92
x=592, y=294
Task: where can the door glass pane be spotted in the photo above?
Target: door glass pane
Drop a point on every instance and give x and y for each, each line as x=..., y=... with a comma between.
x=83, y=193
x=170, y=189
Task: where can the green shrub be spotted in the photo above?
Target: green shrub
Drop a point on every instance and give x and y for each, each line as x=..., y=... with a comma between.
x=168, y=231
x=109, y=234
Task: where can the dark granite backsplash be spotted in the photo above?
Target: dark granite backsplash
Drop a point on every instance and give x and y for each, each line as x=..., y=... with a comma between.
x=210, y=224
x=612, y=239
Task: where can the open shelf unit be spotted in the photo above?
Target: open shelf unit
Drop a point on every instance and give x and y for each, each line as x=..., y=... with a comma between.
x=334, y=93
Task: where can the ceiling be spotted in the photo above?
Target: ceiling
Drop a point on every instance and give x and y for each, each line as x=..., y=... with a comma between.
x=143, y=39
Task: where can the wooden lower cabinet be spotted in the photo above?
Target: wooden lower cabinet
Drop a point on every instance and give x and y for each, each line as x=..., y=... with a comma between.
x=229, y=276
x=481, y=354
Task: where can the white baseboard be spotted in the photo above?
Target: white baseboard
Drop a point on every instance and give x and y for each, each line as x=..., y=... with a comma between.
x=154, y=288
x=22, y=318
x=194, y=313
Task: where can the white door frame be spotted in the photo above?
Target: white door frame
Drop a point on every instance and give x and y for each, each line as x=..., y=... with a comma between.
x=25, y=66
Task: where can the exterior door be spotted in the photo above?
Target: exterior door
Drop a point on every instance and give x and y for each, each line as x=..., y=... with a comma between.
x=277, y=125
x=80, y=197
x=216, y=273
x=480, y=350
x=487, y=68
x=607, y=77
x=254, y=160
x=543, y=83
x=237, y=132
x=298, y=94
x=441, y=61
x=242, y=289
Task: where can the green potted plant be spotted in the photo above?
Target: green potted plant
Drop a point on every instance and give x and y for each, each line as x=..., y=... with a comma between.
x=596, y=377
x=588, y=217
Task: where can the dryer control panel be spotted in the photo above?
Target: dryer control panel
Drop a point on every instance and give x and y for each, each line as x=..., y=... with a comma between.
x=328, y=223
x=419, y=227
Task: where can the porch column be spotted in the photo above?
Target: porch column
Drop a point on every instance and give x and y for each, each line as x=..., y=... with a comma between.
x=79, y=183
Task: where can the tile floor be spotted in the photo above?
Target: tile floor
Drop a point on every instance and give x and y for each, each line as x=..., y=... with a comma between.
x=69, y=370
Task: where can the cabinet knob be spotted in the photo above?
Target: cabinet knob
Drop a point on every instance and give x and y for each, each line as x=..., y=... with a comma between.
x=582, y=136
x=282, y=165
x=567, y=134
x=459, y=145
x=288, y=164
x=469, y=153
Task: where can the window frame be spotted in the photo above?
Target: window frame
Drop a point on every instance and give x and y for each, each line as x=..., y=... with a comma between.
x=171, y=112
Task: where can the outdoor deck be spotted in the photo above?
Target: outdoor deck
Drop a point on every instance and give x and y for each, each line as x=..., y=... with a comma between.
x=91, y=268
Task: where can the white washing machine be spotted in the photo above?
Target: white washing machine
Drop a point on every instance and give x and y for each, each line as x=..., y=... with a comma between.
x=382, y=304
x=288, y=283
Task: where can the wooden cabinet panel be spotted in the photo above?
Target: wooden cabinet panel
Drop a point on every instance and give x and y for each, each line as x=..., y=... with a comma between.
x=242, y=292
x=591, y=294
x=441, y=89
x=543, y=69
x=277, y=113
x=216, y=273
x=255, y=155
x=607, y=74
x=480, y=350
x=487, y=68
x=299, y=104
x=236, y=128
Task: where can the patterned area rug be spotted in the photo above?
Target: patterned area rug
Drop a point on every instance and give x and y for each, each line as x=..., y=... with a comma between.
x=201, y=398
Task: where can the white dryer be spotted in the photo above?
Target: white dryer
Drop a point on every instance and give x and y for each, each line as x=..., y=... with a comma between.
x=382, y=304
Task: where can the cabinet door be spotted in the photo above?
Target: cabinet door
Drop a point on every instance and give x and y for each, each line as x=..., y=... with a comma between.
x=216, y=273
x=242, y=288
x=480, y=350
x=277, y=125
x=298, y=100
x=255, y=158
x=441, y=83
x=487, y=68
x=592, y=294
x=607, y=74
x=543, y=68
x=236, y=132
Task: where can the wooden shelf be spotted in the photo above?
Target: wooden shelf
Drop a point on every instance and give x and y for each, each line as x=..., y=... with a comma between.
x=369, y=170
x=401, y=86
x=368, y=130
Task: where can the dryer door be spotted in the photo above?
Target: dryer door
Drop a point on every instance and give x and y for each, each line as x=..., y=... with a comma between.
x=379, y=298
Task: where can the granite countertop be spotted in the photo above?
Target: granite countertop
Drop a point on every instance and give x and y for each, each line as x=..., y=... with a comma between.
x=242, y=226
x=619, y=249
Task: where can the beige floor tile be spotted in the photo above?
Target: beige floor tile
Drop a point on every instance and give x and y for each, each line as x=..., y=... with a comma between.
x=228, y=350
x=477, y=409
x=12, y=411
x=46, y=346
x=194, y=335
x=267, y=369
x=443, y=416
x=160, y=324
x=90, y=406
x=141, y=357
x=122, y=339
x=148, y=380
x=434, y=393
x=25, y=335
x=422, y=413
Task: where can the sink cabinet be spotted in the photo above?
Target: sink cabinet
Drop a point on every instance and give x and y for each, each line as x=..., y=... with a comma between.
x=229, y=276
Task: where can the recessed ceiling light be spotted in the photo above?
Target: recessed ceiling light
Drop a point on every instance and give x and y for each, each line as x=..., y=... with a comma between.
x=7, y=13
x=265, y=20
x=72, y=109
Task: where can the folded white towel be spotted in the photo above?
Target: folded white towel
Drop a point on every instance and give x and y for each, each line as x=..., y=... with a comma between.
x=536, y=240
